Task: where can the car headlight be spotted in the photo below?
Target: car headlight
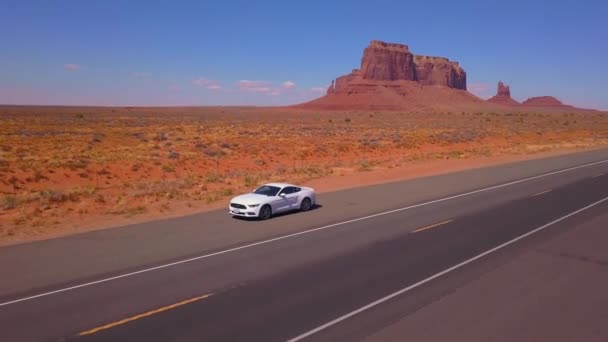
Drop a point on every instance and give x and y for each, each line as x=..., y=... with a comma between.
x=253, y=205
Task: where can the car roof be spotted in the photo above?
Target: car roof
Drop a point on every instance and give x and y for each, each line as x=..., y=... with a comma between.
x=280, y=185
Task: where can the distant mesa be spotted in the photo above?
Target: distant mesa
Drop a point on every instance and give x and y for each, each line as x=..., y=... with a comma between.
x=394, y=62
x=503, y=96
x=391, y=77
x=544, y=101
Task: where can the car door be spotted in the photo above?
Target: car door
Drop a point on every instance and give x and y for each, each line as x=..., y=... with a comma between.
x=293, y=198
x=281, y=203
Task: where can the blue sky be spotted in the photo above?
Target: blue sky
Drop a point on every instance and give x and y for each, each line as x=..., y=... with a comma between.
x=280, y=52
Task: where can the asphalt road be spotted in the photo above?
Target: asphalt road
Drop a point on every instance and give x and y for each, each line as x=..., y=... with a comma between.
x=208, y=277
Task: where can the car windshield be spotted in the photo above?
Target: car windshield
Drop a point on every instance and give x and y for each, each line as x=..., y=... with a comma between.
x=267, y=190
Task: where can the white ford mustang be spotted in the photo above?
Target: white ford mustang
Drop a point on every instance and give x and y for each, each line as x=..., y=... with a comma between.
x=272, y=198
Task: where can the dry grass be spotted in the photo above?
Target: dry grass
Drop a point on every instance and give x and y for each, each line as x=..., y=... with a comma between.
x=59, y=165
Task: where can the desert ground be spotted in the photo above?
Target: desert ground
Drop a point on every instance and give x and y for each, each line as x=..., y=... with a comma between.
x=65, y=170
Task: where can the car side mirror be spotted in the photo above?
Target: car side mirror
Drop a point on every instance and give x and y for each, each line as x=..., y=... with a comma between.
x=282, y=194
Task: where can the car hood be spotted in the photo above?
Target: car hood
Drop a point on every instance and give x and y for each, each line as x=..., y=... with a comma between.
x=250, y=199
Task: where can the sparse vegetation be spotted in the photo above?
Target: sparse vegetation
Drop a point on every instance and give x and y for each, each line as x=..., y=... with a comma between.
x=9, y=202
x=62, y=164
x=365, y=166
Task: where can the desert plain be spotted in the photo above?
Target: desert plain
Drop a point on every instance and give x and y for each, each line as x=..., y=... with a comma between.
x=66, y=170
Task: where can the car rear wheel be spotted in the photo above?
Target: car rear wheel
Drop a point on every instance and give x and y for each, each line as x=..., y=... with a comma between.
x=306, y=204
x=265, y=212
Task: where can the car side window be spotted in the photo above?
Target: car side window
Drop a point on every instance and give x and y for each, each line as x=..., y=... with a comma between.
x=288, y=190
x=295, y=190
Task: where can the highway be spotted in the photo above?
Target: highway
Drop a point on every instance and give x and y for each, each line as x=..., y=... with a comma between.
x=484, y=254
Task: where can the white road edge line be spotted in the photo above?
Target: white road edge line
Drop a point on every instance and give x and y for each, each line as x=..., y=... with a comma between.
x=437, y=275
x=297, y=234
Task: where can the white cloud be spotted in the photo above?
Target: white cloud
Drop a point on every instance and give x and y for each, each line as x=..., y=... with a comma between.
x=207, y=83
x=288, y=85
x=318, y=89
x=255, y=86
x=72, y=67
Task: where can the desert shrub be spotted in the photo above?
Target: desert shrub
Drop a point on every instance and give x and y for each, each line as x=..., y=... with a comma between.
x=38, y=176
x=280, y=169
x=14, y=181
x=173, y=155
x=128, y=212
x=168, y=168
x=9, y=202
x=314, y=171
x=189, y=181
x=48, y=196
x=135, y=167
x=141, y=136
x=214, y=153
x=365, y=165
x=212, y=177
x=250, y=181
x=75, y=164
x=161, y=136
x=97, y=137
x=85, y=191
x=212, y=197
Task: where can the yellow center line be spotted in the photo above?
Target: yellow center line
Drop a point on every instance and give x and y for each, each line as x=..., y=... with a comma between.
x=541, y=193
x=145, y=314
x=432, y=226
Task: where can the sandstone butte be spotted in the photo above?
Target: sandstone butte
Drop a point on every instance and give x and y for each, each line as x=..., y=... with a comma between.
x=391, y=77
x=503, y=96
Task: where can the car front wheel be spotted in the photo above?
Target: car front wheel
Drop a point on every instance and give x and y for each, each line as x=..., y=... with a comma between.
x=265, y=213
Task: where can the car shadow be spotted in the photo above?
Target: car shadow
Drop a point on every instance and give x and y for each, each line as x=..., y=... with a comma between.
x=288, y=213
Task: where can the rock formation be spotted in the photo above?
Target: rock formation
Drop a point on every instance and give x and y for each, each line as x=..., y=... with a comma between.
x=503, y=90
x=503, y=96
x=330, y=90
x=387, y=62
x=441, y=71
x=394, y=62
x=392, y=77
x=544, y=101
x=390, y=62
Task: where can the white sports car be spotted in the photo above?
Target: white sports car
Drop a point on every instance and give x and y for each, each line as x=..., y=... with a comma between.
x=272, y=198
